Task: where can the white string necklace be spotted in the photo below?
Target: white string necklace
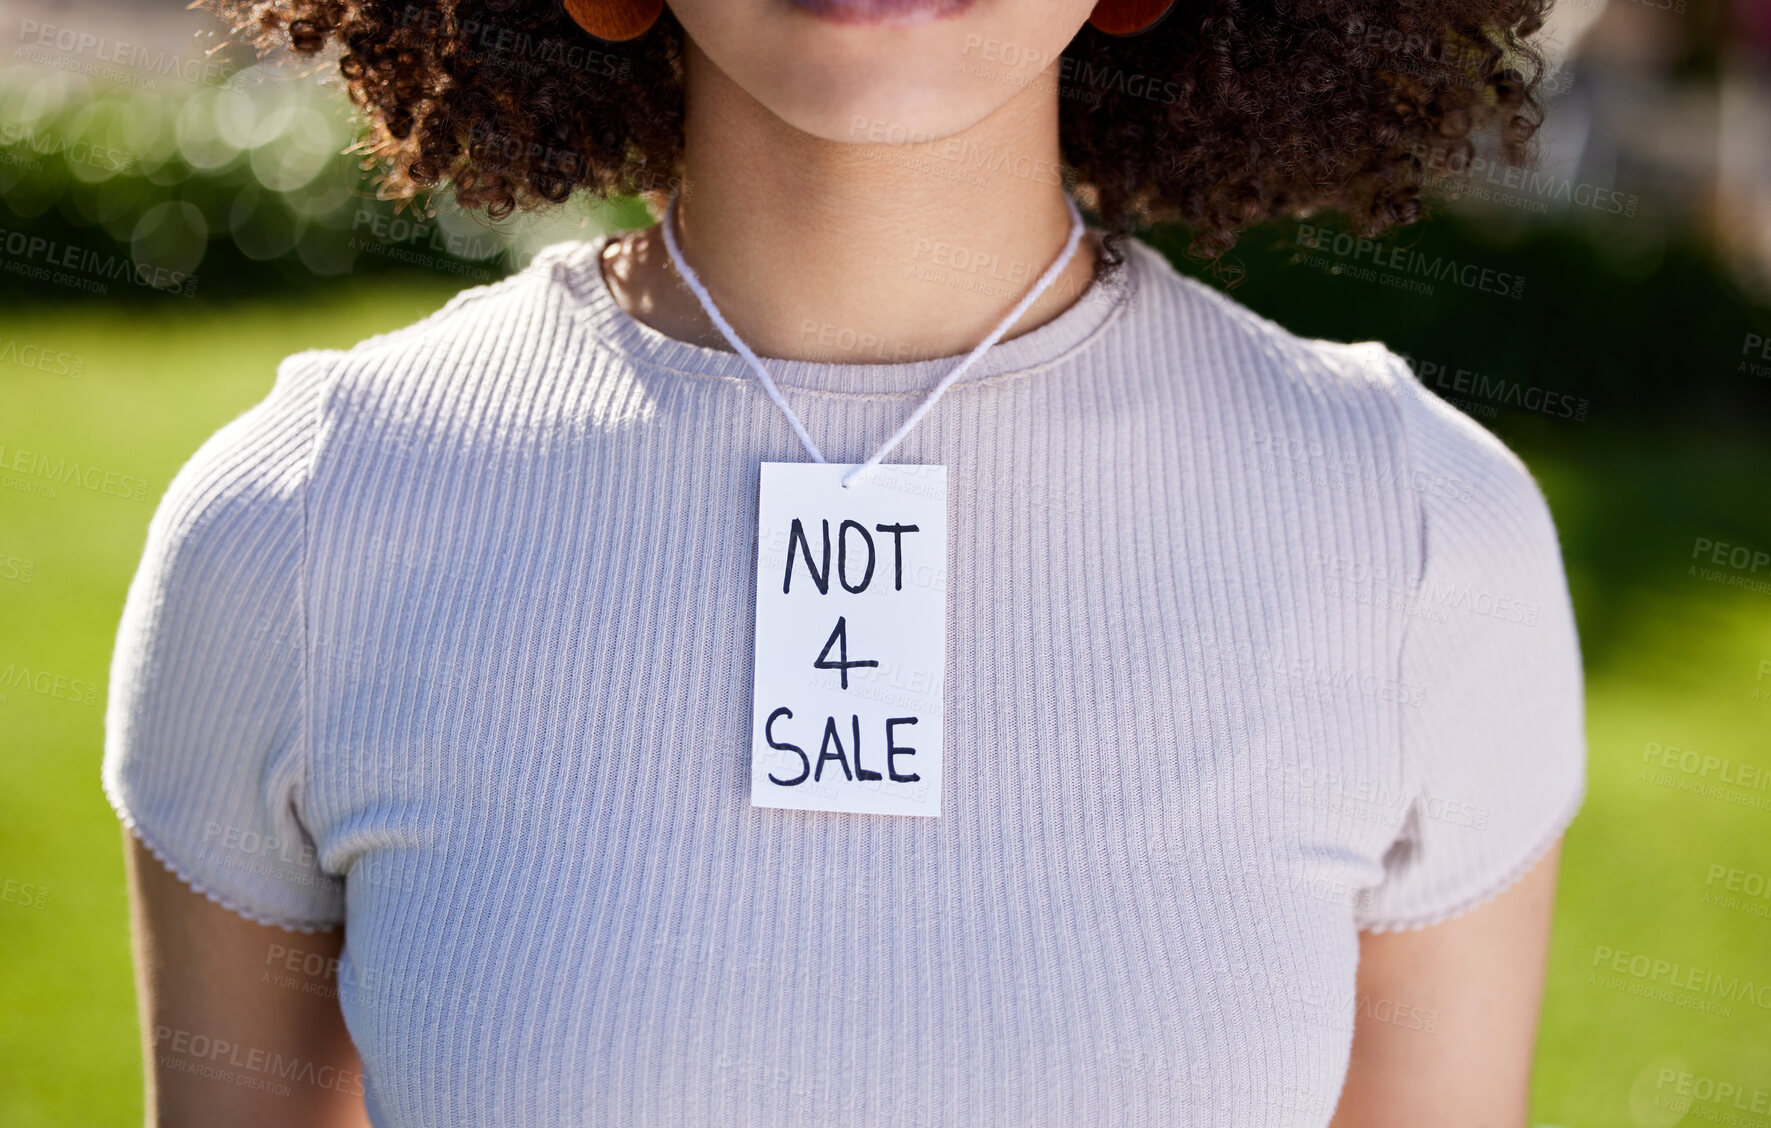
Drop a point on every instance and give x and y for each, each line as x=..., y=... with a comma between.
x=774, y=393
x=849, y=668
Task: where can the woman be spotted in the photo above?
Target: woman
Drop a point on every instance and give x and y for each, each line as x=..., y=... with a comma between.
x=444, y=697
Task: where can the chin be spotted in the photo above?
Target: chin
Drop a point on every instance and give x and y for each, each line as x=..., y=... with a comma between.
x=882, y=71
x=881, y=104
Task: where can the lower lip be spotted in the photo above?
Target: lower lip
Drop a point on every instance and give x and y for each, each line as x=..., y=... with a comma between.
x=893, y=13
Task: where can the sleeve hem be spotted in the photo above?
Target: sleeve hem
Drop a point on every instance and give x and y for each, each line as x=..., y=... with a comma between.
x=1558, y=826
x=287, y=924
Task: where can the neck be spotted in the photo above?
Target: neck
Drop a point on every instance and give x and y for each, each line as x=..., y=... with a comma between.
x=857, y=252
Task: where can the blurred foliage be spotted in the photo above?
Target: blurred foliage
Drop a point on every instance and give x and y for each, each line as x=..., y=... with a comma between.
x=1657, y=336
x=178, y=235
x=242, y=185
x=1669, y=658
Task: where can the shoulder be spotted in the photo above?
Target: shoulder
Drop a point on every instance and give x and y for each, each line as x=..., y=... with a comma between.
x=1340, y=403
x=508, y=326
x=245, y=485
x=239, y=496
x=1219, y=337
x=499, y=359
x=216, y=593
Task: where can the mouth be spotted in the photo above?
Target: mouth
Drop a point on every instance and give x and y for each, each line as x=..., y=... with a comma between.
x=892, y=13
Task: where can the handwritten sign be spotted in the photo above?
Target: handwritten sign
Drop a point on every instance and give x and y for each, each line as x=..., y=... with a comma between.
x=851, y=639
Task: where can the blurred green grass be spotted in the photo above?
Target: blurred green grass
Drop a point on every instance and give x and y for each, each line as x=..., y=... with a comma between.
x=1670, y=658
x=155, y=382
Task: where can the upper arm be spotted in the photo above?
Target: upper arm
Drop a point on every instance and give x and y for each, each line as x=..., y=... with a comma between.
x=1492, y=747
x=1447, y=1015
x=1492, y=765
x=240, y=1021
x=205, y=762
x=205, y=726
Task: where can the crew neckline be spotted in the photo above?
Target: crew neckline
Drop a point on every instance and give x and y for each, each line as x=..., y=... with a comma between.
x=579, y=266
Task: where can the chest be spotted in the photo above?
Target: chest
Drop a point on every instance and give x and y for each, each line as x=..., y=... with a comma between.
x=1167, y=776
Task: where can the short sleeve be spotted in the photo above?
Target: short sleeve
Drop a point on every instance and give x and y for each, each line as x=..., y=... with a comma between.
x=1494, y=752
x=204, y=732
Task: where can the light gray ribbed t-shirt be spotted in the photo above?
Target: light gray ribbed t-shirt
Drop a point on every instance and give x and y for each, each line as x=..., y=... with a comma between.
x=1253, y=642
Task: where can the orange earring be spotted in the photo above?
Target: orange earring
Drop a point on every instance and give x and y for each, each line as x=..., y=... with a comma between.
x=615, y=20
x=1128, y=17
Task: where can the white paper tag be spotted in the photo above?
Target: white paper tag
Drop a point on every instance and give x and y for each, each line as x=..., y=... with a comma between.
x=851, y=639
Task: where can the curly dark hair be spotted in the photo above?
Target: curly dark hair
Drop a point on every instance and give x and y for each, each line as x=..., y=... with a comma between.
x=1225, y=114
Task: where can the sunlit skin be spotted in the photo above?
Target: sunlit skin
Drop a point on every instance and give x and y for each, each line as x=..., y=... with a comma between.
x=790, y=221
x=791, y=218
x=819, y=75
